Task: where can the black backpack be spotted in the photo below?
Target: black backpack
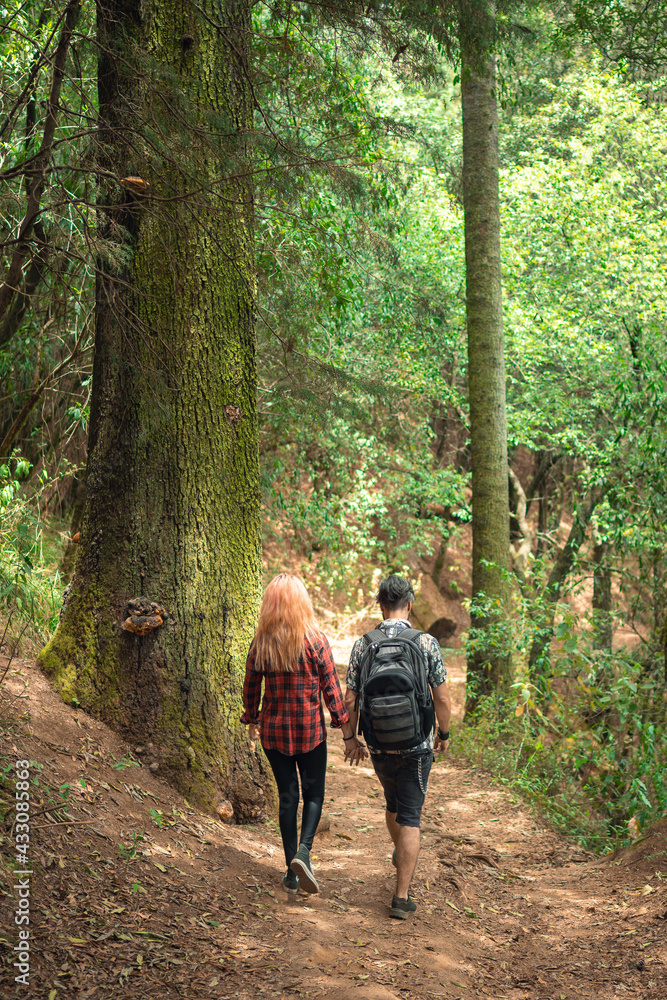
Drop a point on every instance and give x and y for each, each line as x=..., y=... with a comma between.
x=395, y=703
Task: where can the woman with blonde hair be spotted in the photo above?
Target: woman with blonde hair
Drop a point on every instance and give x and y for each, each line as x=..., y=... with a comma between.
x=293, y=658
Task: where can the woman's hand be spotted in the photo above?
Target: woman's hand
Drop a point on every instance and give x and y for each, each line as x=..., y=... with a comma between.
x=355, y=751
x=253, y=732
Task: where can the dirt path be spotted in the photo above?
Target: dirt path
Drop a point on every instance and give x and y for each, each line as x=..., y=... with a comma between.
x=506, y=908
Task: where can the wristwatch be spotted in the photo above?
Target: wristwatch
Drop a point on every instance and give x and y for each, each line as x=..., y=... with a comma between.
x=441, y=735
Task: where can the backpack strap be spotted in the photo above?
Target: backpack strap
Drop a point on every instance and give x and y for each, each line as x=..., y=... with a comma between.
x=375, y=635
x=409, y=633
x=424, y=689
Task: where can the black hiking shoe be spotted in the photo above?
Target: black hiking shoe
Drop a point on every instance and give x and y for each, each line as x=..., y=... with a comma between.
x=402, y=908
x=290, y=882
x=301, y=866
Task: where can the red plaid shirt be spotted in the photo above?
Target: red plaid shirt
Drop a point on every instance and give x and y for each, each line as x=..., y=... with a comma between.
x=291, y=718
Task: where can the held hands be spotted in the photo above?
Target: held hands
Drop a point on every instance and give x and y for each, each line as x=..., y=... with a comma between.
x=253, y=732
x=355, y=751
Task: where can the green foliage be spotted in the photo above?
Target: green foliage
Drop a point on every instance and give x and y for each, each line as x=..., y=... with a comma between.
x=158, y=817
x=30, y=589
x=356, y=296
x=124, y=762
x=588, y=746
x=490, y=638
x=130, y=852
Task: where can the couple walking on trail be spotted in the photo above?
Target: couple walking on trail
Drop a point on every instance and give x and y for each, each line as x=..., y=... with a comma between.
x=396, y=696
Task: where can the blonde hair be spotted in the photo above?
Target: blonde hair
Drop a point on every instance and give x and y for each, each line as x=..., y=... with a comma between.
x=286, y=617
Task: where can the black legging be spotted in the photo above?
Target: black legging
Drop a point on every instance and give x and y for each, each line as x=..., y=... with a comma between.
x=312, y=769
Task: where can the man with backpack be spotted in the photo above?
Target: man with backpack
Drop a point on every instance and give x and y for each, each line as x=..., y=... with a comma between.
x=397, y=690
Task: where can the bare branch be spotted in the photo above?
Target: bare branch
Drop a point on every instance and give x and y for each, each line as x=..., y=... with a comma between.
x=36, y=189
x=520, y=557
x=35, y=396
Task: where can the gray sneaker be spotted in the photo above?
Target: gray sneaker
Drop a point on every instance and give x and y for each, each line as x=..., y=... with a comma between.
x=290, y=882
x=301, y=866
x=402, y=908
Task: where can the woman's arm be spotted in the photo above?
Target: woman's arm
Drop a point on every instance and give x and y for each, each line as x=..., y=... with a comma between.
x=252, y=691
x=330, y=686
x=333, y=696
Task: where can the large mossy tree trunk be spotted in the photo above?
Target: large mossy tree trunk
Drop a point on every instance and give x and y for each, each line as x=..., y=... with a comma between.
x=488, y=659
x=172, y=488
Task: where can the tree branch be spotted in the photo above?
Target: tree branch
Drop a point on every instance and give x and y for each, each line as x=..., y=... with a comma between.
x=36, y=187
x=561, y=569
x=34, y=398
x=520, y=558
x=33, y=278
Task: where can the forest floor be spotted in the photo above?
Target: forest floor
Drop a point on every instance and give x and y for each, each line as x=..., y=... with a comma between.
x=507, y=909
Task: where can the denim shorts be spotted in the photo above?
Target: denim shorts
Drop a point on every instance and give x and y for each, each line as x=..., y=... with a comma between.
x=404, y=778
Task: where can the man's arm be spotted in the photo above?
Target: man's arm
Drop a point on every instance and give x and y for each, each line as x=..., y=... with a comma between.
x=442, y=702
x=359, y=752
x=352, y=679
x=351, y=706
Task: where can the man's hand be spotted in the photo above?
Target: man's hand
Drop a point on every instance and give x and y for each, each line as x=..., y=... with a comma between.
x=440, y=746
x=253, y=732
x=355, y=753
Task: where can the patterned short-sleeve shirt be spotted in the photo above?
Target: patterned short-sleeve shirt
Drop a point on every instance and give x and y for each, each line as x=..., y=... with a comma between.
x=437, y=672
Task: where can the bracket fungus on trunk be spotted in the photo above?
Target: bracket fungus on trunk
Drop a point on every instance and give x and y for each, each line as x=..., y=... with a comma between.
x=143, y=616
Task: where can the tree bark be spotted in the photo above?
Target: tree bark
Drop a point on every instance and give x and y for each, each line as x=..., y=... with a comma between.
x=441, y=556
x=602, y=619
x=488, y=660
x=67, y=562
x=172, y=486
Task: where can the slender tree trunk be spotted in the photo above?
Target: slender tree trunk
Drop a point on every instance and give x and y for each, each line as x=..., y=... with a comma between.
x=659, y=603
x=543, y=513
x=488, y=661
x=172, y=485
x=441, y=556
x=602, y=619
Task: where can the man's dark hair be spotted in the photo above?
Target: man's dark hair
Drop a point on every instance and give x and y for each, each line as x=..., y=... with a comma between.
x=395, y=592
